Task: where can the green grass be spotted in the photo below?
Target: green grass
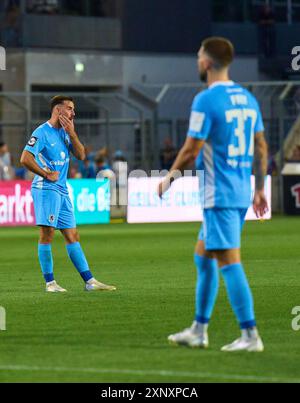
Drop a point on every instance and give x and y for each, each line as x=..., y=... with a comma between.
x=121, y=336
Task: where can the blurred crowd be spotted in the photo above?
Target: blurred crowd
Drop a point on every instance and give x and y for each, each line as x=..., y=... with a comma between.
x=99, y=163
x=6, y=166
x=102, y=163
x=96, y=164
x=99, y=8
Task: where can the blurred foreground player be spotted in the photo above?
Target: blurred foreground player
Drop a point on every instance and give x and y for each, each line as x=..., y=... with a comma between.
x=226, y=128
x=47, y=154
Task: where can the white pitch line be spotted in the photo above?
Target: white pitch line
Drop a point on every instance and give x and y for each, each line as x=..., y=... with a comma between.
x=162, y=373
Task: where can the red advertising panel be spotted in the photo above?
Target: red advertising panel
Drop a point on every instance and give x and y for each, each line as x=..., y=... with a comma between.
x=16, y=205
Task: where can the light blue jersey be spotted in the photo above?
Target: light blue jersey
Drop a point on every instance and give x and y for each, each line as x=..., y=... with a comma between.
x=51, y=148
x=226, y=116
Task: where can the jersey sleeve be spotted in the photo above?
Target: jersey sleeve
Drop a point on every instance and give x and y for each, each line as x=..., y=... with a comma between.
x=201, y=118
x=259, y=124
x=36, y=143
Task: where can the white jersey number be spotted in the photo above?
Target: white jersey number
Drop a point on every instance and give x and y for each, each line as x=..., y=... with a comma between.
x=240, y=116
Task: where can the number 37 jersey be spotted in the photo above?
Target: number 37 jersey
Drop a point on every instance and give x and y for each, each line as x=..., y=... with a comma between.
x=227, y=117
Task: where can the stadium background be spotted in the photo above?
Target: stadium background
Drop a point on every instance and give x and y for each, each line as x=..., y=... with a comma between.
x=131, y=67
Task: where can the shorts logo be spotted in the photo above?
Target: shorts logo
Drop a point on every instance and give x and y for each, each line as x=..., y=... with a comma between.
x=51, y=218
x=32, y=141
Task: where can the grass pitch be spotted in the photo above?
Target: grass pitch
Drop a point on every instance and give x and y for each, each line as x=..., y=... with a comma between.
x=121, y=336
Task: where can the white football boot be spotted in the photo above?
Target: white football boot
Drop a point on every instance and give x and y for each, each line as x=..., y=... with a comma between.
x=52, y=286
x=250, y=341
x=94, y=285
x=195, y=336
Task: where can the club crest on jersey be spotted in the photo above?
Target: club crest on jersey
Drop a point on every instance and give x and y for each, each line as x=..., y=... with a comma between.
x=51, y=218
x=32, y=141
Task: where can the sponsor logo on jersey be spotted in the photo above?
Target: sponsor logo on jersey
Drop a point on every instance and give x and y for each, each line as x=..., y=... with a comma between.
x=60, y=163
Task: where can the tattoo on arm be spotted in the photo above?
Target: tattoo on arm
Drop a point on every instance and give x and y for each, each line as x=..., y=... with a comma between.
x=260, y=161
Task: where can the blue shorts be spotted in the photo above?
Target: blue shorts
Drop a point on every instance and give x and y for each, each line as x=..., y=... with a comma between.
x=53, y=209
x=222, y=228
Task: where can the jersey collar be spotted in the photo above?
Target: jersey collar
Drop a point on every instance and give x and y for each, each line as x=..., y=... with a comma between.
x=225, y=83
x=50, y=125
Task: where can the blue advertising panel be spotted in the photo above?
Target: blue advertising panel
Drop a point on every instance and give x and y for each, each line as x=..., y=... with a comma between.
x=91, y=200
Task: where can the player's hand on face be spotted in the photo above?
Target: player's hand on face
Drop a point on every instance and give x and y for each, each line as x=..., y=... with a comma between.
x=66, y=123
x=260, y=204
x=53, y=176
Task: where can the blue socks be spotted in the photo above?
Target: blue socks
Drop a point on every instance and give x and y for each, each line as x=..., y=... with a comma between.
x=76, y=255
x=79, y=261
x=239, y=294
x=206, y=288
x=46, y=261
x=237, y=287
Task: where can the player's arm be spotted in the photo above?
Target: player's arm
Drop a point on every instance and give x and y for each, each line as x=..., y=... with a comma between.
x=77, y=147
x=260, y=166
x=186, y=156
x=29, y=162
x=199, y=129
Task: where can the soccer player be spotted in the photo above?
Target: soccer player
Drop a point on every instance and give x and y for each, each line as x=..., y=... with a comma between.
x=47, y=154
x=226, y=129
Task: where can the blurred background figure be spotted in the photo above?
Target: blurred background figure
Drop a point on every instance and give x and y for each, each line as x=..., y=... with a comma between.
x=104, y=153
x=87, y=167
x=103, y=169
x=11, y=25
x=43, y=6
x=120, y=168
x=167, y=154
x=119, y=164
x=6, y=168
x=74, y=172
x=296, y=154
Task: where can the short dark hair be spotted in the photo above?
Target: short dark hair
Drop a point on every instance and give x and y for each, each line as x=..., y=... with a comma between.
x=58, y=100
x=221, y=51
x=2, y=144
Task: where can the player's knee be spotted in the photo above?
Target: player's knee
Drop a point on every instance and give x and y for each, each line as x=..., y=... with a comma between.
x=72, y=237
x=228, y=257
x=46, y=235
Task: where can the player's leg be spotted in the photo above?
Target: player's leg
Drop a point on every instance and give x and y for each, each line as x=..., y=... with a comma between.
x=67, y=226
x=46, y=206
x=45, y=252
x=207, y=286
x=238, y=289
